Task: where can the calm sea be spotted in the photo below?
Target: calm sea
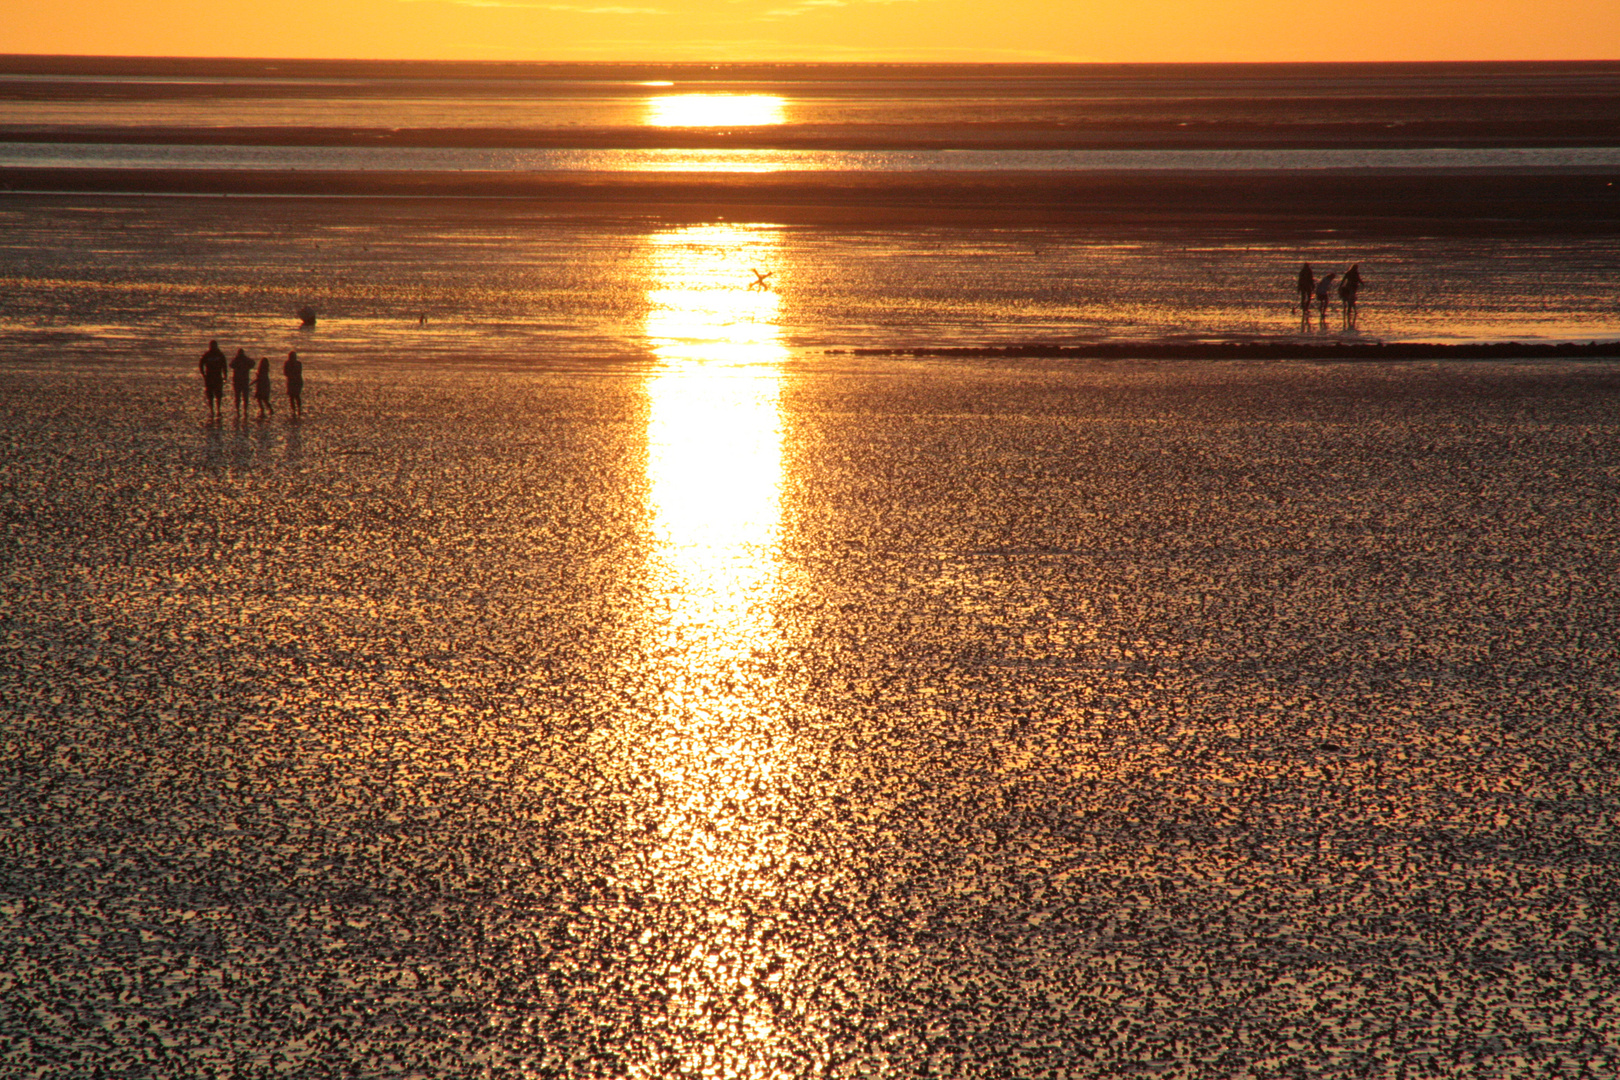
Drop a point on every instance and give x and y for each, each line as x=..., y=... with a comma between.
x=146, y=206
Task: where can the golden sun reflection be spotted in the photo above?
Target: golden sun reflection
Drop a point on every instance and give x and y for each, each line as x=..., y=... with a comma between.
x=714, y=475
x=715, y=110
x=714, y=470
x=712, y=739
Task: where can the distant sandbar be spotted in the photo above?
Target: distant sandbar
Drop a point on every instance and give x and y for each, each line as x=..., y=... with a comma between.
x=1267, y=350
x=1389, y=204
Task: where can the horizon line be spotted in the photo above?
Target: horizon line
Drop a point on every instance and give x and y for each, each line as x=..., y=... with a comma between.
x=7, y=57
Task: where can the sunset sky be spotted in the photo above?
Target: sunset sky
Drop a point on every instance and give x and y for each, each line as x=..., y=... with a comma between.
x=899, y=30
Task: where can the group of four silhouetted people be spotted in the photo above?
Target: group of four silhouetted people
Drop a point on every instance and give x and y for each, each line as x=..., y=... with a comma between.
x=243, y=376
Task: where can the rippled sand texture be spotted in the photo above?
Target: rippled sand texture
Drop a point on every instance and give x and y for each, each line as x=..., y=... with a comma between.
x=899, y=720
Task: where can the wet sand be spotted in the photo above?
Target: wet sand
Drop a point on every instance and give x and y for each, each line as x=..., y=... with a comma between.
x=1318, y=352
x=1586, y=123
x=1025, y=718
x=1275, y=204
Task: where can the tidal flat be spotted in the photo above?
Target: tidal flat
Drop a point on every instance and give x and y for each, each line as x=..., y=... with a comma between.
x=847, y=718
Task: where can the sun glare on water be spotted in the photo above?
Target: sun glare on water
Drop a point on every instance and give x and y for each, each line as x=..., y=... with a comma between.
x=714, y=452
x=713, y=736
x=715, y=110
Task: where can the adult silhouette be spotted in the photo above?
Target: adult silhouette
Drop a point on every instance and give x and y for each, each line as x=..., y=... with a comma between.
x=1349, y=285
x=241, y=382
x=293, y=369
x=261, y=387
x=1324, y=291
x=212, y=366
x=1307, y=289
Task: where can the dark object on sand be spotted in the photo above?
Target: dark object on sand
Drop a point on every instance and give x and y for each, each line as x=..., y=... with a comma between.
x=293, y=369
x=1324, y=293
x=261, y=388
x=212, y=366
x=307, y=314
x=241, y=381
x=1349, y=285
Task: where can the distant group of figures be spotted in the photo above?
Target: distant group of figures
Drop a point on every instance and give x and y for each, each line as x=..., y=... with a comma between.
x=244, y=377
x=1310, y=289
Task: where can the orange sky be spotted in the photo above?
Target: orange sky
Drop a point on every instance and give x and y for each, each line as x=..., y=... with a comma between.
x=900, y=30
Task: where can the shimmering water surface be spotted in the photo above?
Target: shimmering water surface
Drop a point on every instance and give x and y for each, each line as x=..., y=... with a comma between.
x=1515, y=100
x=151, y=279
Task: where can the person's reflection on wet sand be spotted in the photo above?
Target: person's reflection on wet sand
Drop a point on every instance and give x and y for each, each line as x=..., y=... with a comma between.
x=214, y=447
x=292, y=447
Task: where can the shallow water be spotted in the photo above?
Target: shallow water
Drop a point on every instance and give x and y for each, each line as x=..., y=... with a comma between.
x=157, y=278
x=1501, y=104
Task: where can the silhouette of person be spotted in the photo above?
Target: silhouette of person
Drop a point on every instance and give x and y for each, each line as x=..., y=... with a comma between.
x=261, y=387
x=293, y=369
x=212, y=366
x=1324, y=290
x=241, y=380
x=1349, y=285
x=1307, y=288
